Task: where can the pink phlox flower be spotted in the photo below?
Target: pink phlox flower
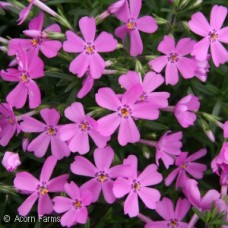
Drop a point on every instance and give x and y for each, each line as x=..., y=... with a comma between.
x=220, y=163
x=151, y=82
x=39, y=39
x=172, y=218
x=185, y=110
x=87, y=85
x=192, y=193
x=117, y=6
x=25, y=12
x=202, y=68
x=8, y=124
x=39, y=189
x=11, y=161
x=187, y=165
x=174, y=59
x=89, y=48
x=49, y=134
x=168, y=147
x=129, y=15
x=213, y=34
x=137, y=186
x=5, y=5
x=30, y=67
x=102, y=175
x=77, y=133
x=75, y=207
x=225, y=130
x=125, y=108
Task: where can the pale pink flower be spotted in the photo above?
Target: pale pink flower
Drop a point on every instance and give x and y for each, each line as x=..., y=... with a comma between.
x=102, y=174
x=185, y=110
x=192, y=193
x=39, y=189
x=186, y=165
x=89, y=48
x=129, y=15
x=49, y=134
x=220, y=163
x=8, y=124
x=11, y=161
x=168, y=147
x=202, y=68
x=137, y=186
x=39, y=39
x=151, y=82
x=30, y=67
x=172, y=218
x=213, y=34
x=174, y=59
x=75, y=207
x=77, y=134
x=124, y=108
x=25, y=12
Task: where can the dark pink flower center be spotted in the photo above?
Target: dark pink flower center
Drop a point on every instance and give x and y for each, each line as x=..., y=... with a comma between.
x=173, y=223
x=24, y=78
x=84, y=126
x=131, y=24
x=10, y=120
x=89, y=48
x=184, y=165
x=36, y=40
x=102, y=176
x=173, y=57
x=213, y=36
x=124, y=111
x=143, y=97
x=136, y=186
x=43, y=189
x=51, y=131
x=77, y=204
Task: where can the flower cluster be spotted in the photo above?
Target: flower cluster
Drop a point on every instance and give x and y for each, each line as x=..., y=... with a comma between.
x=95, y=140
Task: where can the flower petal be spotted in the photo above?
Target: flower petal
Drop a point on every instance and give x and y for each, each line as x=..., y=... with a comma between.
x=147, y=24
x=105, y=42
x=171, y=74
x=62, y=204
x=107, y=191
x=218, y=16
x=45, y=205
x=159, y=63
x=131, y=205
x=96, y=65
x=121, y=187
x=219, y=53
x=128, y=132
x=82, y=166
x=75, y=112
x=48, y=168
x=88, y=28
x=167, y=45
x=136, y=45
x=30, y=125
x=200, y=50
x=50, y=48
x=73, y=43
x=187, y=67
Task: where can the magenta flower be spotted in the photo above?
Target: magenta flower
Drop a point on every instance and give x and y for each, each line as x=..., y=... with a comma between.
x=202, y=68
x=77, y=133
x=8, y=124
x=225, y=130
x=220, y=162
x=133, y=24
x=150, y=82
x=30, y=67
x=39, y=189
x=168, y=147
x=75, y=206
x=89, y=48
x=174, y=59
x=137, y=186
x=25, y=12
x=39, y=39
x=192, y=192
x=125, y=109
x=11, y=161
x=185, y=110
x=187, y=165
x=102, y=174
x=87, y=85
x=213, y=34
x=172, y=218
x=49, y=134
